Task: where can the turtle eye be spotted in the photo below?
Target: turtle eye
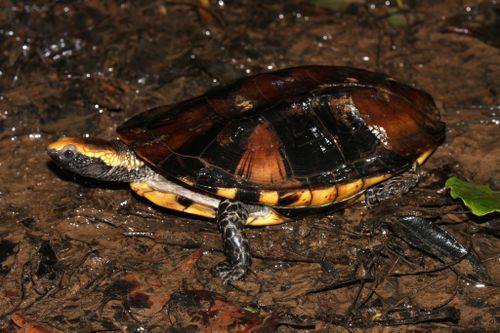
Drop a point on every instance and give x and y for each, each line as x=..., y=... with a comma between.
x=68, y=154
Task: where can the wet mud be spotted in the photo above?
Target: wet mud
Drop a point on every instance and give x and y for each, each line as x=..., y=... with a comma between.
x=83, y=256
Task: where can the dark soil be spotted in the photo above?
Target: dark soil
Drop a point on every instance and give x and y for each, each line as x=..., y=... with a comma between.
x=83, y=256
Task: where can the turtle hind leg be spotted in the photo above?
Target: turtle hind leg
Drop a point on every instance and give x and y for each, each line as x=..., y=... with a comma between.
x=391, y=188
x=231, y=218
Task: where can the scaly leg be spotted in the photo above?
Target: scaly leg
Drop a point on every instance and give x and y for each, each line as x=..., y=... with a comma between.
x=231, y=218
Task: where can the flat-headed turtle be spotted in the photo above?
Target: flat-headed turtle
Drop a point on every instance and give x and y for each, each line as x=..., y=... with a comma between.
x=257, y=151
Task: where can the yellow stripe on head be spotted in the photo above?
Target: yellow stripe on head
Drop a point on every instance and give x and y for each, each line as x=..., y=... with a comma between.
x=100, y=149
x=83, y=147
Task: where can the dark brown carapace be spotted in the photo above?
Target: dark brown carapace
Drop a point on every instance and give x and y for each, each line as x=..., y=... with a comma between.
x=300, y=137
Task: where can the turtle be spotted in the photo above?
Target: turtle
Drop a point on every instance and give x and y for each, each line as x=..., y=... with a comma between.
x=268, y=148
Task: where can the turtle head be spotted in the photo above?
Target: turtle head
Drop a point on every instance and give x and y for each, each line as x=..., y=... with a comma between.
x=99, y=159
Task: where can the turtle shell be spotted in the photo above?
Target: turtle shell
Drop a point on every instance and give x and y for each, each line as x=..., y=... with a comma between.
x=299, y=137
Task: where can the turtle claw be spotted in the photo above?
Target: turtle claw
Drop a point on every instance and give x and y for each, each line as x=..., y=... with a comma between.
x=228, y=273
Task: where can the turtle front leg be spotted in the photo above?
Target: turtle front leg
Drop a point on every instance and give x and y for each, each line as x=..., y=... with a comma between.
x=231, y=218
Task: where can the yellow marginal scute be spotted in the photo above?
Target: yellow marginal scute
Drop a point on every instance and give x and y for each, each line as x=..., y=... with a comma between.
x=268, y=197
x=323, y=196
x=339, y=192
x=421, y=159
x=227, y=192
x=303, y=200
x=170, y=201
x=375, y=180
x=345, y=191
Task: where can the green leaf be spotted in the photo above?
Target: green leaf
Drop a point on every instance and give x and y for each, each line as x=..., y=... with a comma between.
x=481, y=199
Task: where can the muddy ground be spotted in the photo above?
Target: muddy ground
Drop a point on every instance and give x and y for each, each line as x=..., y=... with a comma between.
x=84, y=256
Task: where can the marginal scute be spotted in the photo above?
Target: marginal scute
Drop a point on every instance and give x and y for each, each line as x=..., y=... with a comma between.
x=323, y=196
x=268, y=198
x=301, y=198
x=229, y=193
x=421, y=159
x=347, y=190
